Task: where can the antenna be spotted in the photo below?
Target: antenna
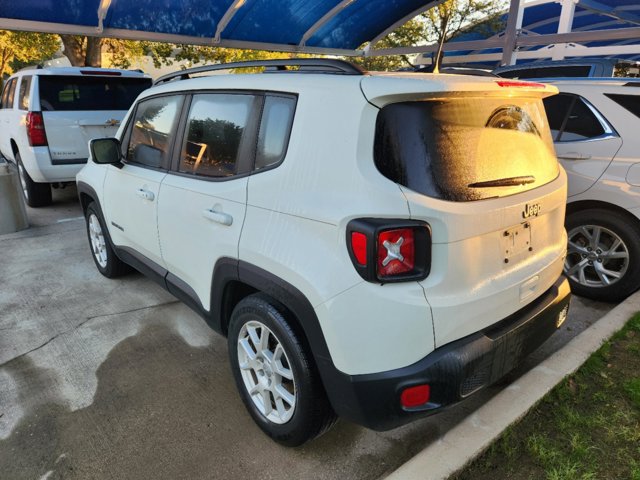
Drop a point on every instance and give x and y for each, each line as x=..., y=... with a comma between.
x=436, y=68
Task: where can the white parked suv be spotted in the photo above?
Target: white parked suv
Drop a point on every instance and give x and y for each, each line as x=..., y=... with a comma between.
x=48, y=116
x=376, y=246
x=596, y=128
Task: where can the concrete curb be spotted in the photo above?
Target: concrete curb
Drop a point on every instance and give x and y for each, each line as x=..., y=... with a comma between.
x=473, y=435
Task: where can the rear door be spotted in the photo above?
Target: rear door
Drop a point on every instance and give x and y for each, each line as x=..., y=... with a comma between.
x=481, y=171
x=203, y=200
x=78, y=108
x=131, y=192
x=584, y=141
x=7, y=116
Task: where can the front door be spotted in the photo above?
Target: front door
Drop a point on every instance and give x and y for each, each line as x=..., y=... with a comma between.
x=131, y=193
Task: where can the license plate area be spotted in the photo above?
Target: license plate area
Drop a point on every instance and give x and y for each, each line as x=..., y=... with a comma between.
x=516, y=241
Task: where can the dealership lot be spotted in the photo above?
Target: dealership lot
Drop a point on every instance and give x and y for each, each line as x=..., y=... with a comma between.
x=116, y=379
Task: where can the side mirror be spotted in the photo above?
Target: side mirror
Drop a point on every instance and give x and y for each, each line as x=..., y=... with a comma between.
x=106, y=151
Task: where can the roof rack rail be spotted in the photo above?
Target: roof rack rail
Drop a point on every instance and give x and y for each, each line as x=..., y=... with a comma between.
x=306, y=65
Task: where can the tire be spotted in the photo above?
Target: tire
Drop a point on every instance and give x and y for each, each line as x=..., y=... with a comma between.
x=603, y=255
x=278, y=370
x=35, y=194
x=106, y=260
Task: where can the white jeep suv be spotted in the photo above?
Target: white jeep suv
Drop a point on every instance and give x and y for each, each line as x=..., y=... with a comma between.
x=48, y=116
x=595, y=124
x=376, y=246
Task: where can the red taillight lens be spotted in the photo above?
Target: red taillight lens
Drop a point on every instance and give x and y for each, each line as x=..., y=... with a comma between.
x=396, y=252
x=415, y=396
x=35, y=130
x=517, y=83
x=359, y=247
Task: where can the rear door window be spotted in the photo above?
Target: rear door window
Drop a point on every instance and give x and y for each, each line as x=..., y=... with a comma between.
x=8, y=93
x=628, y=102
x=23, y=96
x=572, y=119
x=216, y=127
x=465, y=149
x=77, y=93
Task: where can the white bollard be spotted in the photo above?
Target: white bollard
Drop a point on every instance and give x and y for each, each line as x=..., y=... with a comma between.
x=13, y=213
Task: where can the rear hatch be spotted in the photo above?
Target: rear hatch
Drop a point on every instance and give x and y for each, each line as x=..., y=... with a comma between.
x=78, y=108
x=476, y=161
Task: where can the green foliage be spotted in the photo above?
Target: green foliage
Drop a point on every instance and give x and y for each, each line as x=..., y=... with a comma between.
x=20, y=49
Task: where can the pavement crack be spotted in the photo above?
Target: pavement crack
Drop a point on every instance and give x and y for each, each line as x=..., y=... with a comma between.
x=81, y=324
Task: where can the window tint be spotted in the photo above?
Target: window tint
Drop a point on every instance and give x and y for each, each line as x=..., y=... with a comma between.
x=557, y=108
x=9, y=93
x=23, y=97
x=277, y=117
x=629, y=102
x=5, y=94
x=214, y=133
x=89, y=93
x=581, y=124
x=153, y=129
x=545, y=72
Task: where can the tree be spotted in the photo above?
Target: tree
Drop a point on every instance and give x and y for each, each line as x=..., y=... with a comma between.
x=440, y=23
x=19, y=49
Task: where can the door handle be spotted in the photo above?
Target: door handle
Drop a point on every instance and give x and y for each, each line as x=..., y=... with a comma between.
x=574, y=156
x=218, y=217
x=146, y=194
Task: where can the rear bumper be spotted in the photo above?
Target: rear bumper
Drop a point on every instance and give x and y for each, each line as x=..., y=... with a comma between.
x=453, y=371
x=42, y=169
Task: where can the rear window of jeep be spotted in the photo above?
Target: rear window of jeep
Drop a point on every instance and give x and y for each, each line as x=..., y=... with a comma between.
x=466, y=148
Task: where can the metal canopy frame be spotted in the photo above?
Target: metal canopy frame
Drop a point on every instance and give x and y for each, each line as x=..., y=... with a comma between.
x=513, y=43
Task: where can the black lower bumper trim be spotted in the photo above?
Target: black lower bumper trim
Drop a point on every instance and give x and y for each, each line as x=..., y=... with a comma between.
x=453, y=371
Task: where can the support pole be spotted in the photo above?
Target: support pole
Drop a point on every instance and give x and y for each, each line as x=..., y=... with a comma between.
x=511, y=33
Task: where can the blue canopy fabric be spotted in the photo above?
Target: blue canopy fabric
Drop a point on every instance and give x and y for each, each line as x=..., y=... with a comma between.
x=251, y=23
x=590, y=15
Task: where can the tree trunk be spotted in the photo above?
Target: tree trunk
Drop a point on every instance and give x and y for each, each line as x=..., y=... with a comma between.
x=94, y=52
x=82, y=51
x=73, y=49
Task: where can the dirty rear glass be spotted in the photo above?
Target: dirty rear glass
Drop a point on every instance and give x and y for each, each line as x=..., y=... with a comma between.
x=466, y=148
x=74, y=93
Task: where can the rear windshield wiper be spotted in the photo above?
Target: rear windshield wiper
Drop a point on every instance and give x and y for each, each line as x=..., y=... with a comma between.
x=504, y=182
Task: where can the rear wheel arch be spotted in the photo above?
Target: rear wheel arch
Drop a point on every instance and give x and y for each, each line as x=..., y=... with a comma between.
x=14, y=147
x=234, y=280
x=580, y=206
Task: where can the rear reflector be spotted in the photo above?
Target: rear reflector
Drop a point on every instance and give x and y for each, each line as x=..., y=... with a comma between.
x=359, y=247
x=415, y=396
x=101, y=73
x=35, y=130
x=515, y=83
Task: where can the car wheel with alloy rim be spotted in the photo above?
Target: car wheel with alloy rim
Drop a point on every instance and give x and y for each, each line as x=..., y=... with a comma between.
x=274, y=374
x=603, y=254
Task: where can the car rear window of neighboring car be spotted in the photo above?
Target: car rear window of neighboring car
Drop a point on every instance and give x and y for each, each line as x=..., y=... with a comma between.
x=67, y=93
x=628, y=102
x=572, y=119
x=464, y=149
x=545, y=72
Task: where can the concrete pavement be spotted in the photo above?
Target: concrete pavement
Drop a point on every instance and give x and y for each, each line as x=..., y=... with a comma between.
x=103, y=379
